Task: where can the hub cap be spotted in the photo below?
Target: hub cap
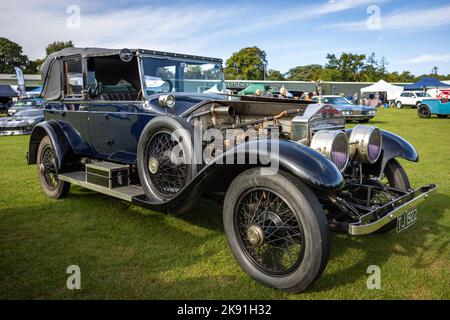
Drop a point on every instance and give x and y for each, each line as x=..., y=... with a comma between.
x=153, y=165
x=255, y=235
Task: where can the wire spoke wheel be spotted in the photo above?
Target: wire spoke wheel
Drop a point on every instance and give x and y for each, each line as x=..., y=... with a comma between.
x=269, y=231
x=168, y=171
x=47, y=167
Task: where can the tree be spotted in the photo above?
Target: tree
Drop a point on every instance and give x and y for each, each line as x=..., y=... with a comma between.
x=58, y=45
x=246, y=64
x=305, y=73
x=275, y=75
x=349, y=65
x=11, y=56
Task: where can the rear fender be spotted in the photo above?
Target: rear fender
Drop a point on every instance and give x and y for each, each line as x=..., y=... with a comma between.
x=60, y=143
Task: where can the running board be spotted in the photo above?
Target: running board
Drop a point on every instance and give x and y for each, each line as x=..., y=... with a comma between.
x=126, y=193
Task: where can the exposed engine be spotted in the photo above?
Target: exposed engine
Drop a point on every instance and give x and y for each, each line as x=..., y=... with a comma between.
x=320, y=127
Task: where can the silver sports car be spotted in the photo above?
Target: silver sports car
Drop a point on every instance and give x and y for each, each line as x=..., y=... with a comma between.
x=22, y=122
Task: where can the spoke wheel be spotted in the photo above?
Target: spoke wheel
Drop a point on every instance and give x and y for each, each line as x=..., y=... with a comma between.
x=269, y=231
x=48, y=172
x=168, y=174
x=48, y=168
x=165, y=162
x=276, y=229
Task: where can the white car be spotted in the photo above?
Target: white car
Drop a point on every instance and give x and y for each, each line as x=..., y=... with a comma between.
x=411, y=98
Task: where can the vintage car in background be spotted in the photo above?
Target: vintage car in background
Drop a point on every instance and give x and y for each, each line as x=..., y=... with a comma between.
x=286, y=170
x=25, y=104
x=22, y=122
x=411, y=98
x=351, y=112
x=438, y=107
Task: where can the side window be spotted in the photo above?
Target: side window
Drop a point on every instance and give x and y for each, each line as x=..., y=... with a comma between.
x=73, y=78
x=404, y=94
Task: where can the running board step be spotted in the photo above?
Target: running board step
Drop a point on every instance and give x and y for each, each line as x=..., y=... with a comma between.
x=126, y=193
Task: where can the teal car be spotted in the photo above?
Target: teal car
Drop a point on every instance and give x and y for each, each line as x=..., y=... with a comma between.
x=429, y=107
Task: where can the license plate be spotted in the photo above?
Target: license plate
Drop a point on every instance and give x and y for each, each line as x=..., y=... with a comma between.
x=407, y=220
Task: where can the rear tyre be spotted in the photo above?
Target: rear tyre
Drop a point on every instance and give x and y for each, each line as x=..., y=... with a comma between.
x=164, y=159
x=398, y=105
x=47, y=171
x=423, y=111
x=276, y=229
x=395, y=177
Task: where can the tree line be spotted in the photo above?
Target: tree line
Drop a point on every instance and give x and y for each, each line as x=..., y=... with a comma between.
x=251, y=64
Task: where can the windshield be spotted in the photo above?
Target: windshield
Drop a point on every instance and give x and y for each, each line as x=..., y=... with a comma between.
x=172, y=75
x=422, y=94
x=30, y=113
x=335, y=100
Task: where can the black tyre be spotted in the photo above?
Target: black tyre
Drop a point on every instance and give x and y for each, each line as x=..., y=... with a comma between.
x=276, y=229
x=47, y=171
x=164, y=159
x=442, y=116
x=394, y=176
x=398, y=104
x=364, y=121
x=423, y=111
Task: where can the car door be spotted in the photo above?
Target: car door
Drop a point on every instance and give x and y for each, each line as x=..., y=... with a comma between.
x=125, y=121
x=98, y=128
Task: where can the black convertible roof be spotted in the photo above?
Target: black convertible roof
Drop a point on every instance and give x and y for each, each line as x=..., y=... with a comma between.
x=51, y=71
x=102, y=52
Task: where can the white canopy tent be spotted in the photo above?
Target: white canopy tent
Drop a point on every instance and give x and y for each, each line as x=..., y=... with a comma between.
x=382, y=86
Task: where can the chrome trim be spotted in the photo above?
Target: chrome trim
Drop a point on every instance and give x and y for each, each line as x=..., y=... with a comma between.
x=362, y=228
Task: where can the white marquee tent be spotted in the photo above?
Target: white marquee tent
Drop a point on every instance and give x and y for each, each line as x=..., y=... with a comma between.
x=382, y=86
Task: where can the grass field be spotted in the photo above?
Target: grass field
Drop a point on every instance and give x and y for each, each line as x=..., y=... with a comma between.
x=126, y=252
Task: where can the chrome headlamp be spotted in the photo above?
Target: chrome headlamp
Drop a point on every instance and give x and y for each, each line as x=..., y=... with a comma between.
x=365, y=144
x=333, y=144
x=166, y=100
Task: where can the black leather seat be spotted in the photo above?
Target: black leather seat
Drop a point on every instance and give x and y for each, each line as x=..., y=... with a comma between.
x=119, y=96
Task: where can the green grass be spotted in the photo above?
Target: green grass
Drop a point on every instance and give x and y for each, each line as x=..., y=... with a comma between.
x=128, y=252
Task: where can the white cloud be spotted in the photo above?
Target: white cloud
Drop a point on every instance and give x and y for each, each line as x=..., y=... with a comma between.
x=405, y=20
x=197, y=28
x=427, y=58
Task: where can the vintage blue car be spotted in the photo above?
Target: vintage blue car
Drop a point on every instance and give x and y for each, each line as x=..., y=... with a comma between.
x=137, y=125
x=429, y=107
x=351, y=112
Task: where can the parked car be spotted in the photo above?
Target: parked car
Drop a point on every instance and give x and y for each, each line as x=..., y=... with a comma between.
x=287, y=170
x=351, y=112
x=411, y=98
x=22, y=122
x=429, y=107
x=25, y=104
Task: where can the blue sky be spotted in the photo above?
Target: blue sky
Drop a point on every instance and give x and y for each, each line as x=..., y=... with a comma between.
x=412, y=35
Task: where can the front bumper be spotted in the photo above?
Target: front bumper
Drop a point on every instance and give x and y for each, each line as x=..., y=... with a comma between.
x=357, y=117
x=13, y=132
x=376, y=219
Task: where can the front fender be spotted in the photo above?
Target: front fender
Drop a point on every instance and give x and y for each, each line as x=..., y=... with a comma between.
x=394, y=146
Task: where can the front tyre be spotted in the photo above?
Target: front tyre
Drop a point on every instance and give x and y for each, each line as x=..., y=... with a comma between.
x=276, y=229
x=394, y=176
x=423, y=111
x=398, y=105
x=47, y=171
